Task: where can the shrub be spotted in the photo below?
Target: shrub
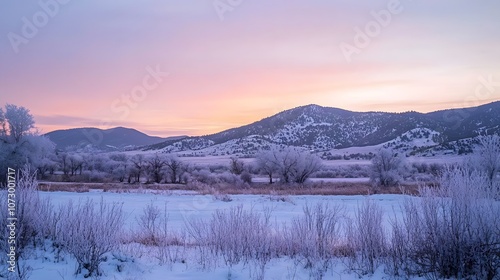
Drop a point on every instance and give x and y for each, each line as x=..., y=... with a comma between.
x=314, y=236
x=149, y=225
x=366, y=237
x=453, y=231
x=344, y=171
x=246, y=177
x=90, y=231
x=204, y=176
x=235, y=235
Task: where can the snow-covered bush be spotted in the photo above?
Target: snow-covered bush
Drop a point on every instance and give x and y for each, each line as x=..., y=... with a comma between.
x=149, y=225
x=235, y=235
x=209, y=179
x=218, y=168
x=89, y=231
x=452, y=231
x=154, y=231
x=315, y=236
x=423, y=172
x=229, y=178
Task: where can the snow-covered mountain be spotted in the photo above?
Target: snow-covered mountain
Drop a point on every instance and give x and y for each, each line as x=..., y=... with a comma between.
x=323, y=129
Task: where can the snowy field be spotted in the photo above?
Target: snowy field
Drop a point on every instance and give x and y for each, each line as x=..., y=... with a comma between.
x=183, y=206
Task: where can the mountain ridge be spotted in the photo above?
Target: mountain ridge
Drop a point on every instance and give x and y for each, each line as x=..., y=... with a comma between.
x=319, y=128
x=311, y=127
x=116, y=138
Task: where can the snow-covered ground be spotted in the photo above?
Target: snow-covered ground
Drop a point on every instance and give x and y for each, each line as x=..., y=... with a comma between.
x=184, y=206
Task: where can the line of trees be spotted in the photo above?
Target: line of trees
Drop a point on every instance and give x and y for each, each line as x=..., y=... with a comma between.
x=289, y=165
x=139, y=168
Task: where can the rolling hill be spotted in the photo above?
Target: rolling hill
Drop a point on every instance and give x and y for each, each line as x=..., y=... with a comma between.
x=311, y=127
x=320, y=128
x=118, y=138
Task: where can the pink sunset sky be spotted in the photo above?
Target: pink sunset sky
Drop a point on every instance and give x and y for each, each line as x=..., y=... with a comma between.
x=232, y=62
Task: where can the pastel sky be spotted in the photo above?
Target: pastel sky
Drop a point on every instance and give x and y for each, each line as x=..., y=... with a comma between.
x=231, y=62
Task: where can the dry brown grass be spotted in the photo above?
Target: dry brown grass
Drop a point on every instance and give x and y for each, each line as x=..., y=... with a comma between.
x=336, y=188
x=322, y=188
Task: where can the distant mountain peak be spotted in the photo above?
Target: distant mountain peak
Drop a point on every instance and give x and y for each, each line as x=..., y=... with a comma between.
x=102, y=139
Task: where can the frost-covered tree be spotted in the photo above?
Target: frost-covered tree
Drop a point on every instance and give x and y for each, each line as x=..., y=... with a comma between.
x=138, y=166
x=63, y=161
x=175, y=168
x=46, y=165
x=306, y=165
x=291, y=164
x=286, y=160
x=19, y=143
x=387, y=168
x=16, y=122
x=155, y=167
x=76, y=164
